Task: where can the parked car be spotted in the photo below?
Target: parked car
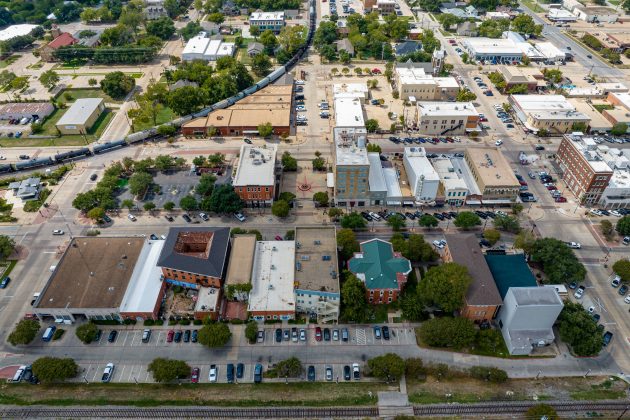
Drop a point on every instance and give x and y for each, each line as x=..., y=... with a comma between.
x=385, y=330
x=230, y=373
x=169, y=336
x=318, y=334
x=326, y=334
x=355, y=371
x=623, y=289
x=258, y=372
x=5, y=282
x=574, y=245
x=212, y=375
x=107, y=373
x=186, y=218
x=377, y=332
x=311, y=373
x=616, y=281
x=346, y=373
x=261, y=336
x=112, y=336
x=178, y=336
x=93, y=177
x=240, y=369
x=607, y=338
x=278, y=335
x=240, y=217
x=329, y=373
x=579, y=292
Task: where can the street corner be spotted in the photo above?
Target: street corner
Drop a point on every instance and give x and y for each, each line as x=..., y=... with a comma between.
x=45, y=213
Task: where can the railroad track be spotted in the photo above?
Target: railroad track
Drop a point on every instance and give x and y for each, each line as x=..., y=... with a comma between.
x=189, y=412
x=518, y=407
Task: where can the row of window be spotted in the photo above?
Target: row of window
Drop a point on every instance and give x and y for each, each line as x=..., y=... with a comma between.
x=435, y=122
x=389, y=300
x=456, y=194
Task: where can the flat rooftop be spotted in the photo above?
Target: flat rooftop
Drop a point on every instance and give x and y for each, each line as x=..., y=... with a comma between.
x=598, y=121
x=392, y=182
x=417, y=158
x=532, y=103
x=536, y=296
x=436, y=109
x=272, y=277
x=345, y=90
x=450, y=177
x=349, y=113
x=491, y=166
x=492, y=46
x=207, y=299
x=350, y=146
x=256, y=166
x=241, y=260
x=623, y=98
x=16, y=30
x=510, y=271
x=266, y=16
x=376, y=178
x=316, y=254
x=586, y=147
x=80, y=111
x=145, y=284
x=411, y=76
x=93, y=272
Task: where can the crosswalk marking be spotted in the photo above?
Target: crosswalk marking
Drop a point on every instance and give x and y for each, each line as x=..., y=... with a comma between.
x=361, y=339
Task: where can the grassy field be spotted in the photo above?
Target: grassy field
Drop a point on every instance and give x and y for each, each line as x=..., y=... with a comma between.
x=9, y=60
x=165, y=115
x=85, y=93
x=241, y=395
x=533, y=5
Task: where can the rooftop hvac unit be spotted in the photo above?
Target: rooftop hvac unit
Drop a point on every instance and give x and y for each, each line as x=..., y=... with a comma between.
x=270, y=287
x=317, y=242
x=273, y=248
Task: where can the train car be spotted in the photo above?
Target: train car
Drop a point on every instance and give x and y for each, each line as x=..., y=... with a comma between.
x=262, y=83
x=276, y=74
x=180, y=121
x=5, y=169
x=252, y=89
x=221, y=104
x=142, y=135
x=72, y=154
x=108, y=146
x=34, y=163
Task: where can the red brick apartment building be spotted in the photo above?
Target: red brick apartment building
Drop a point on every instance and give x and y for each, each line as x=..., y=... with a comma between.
x=255, y=177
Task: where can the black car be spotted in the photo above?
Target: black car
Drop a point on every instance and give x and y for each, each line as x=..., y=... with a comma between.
x=491, y=214
x=240, y=368
x=25, y=157
x=366, y=216
x=193, y=336
x=623, y=289
x=278, y=335
x=311, y=373
x=98, y=335
x=107, y=219
x=5, y=282
x=539, y=147
x=446, y=215
x=186, y=336
x=485, y=242
x=178, y=336
x=410, y=216
x=93, y=177
x=187, y=218
x=169, y=218
x=481, y=214
x=596, y=317
x=326, y=334
x=230, y=373
x=385, y=331
x=607, y=338
x=346, y=373
x=438, y=216
x=112, y=336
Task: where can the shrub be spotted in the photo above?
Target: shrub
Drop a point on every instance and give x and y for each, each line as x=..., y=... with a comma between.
x=184, y=322
x=490, y=374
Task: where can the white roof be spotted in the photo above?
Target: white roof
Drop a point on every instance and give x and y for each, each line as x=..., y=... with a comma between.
x=350, y=90
x=348, y=113
x=350, y=146
x=450, y=178
x=207, y=299
x=145, y=284
x=16, y=30
x=196, y=45
x=530, y=103
x=446, y=109
x=497, y=15
x=482, y=45
x=256, y=166
x=267, y=16
x=212, y=48
x=593, y=155
x=391, y=180
x=561, y=13
x=420, y=164
x=416, y=76
x=550, y=51
x=623, y=98
x=529, y=50
x=612, y=87
x=80, y=111
x=272, y=277
x=376, y=179
x=226, y=49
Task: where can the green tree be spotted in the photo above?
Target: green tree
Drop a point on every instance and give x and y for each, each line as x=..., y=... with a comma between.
x=622, y=269
x=623, y=226
x=417, y=249
x=445, y=286
x=353, y=296
x=53, y=369
x=96, y=214
x=373, y=148
x=128, y=204
x=217, y=18
x=265, y=129
x=353, y=221
x=492, y=236
x=205, y=185
x=321, y=198
x=24, y=332
x=139, y=182
x=149, y=206
x=518, y=89
x=619, y=129
x=188, y=203
x=292, y=38
x=507, y=223
x=164, y=163
x=552, y=75
x=542, y=411
x=186, y=100
x=290, y=368
x=87, y=332
x=167, y=370
x=467, y=220
x=347, y=243
x=251, y=331
x=457, y=333
x=389, y=366
x=166, y=130
x=280, y=208
x=371, y=125
x=465, y=95
x=215, y=335
x=490, y=374
x=525, y=240
x=325, y=35
x=428, y=220
x=261, y=64
x=169, y=206
x=7, y=245
x=607, y=229
x=190, y=30
x=396, y=222
x=49, y=79
x=269, y=41
x=334, y=212
x=524, y=24
x=162, y=27
x=225, y=200
x=117, y=84
x=579, y=330
x=254, y=31
x=558, y=260
x=289, y=163
x=319, y=164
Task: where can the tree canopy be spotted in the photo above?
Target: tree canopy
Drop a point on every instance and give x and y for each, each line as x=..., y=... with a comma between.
x=623, y=225
x=428, y=220
x=445, y=286
x=347, y=243
x=117, y=84
x=24, y=332
x=280, y=208
x=167, y=370
x=389, y=366
x=353, y=220
x=396, y=222
x=457, y=332
x=353, y=296
x=622, y=269
x=558, y=260
x=225, y=200
x=579, y=330
x=215, y=335
x=7, y=245
x=87, y=332
x=466, y=220
x=162, y=27
x=507, y=223
x=53, y=369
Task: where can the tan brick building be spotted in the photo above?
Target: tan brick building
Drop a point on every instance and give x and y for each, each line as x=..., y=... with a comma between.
x=492, y=174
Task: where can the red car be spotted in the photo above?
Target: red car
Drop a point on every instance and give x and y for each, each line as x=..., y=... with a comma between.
x=278, y=238
x=376, y=71
x=169, y=336
x=561, y=200
x=551, y=187
x=318, y=334
x=194, y=377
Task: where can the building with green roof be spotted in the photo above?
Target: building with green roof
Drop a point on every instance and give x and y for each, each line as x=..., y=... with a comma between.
x=510, y=270
x=383, y=271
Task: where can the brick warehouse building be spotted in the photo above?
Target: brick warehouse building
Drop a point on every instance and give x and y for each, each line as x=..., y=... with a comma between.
x=255, y=178
x=195, y=257
x=383, y=271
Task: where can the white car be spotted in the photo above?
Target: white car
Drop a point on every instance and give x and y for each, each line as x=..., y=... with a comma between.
x=627, y=299
x=58, y=232
x=212, y=375
x=591, y=309
x=498, y=142
x=574, y=245
x=108, y=373
x=301, y=118
x=3, y=157
x=131, y=217
x=579, y=292
x=299, y=82
x=596, y=212
x=240, y=217
x=615, y=213
x=438, y=244
x=300, y=108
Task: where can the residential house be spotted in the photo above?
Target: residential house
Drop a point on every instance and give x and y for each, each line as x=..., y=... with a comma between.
x=467, y=28
x=254, y=48
x=63, y=40
x=27, y=189
x=345, y=45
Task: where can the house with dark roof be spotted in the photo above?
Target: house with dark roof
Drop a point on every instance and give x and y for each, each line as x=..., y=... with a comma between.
x=254, y=48
x=408, y=47
x=195, y=257
x=383, y=271
x=63, y=40
x=482, y=300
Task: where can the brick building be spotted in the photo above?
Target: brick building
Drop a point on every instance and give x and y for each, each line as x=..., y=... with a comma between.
x=383, y=271
x=255, y=176
x=195, y=257
x=482, y=300
x=584, y=172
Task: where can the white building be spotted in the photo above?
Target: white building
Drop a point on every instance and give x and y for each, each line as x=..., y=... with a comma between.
x=272, y=295
x=392, y=181
x=352, y=167
x=446, y=118
x=415, y=85
x=550, y=52
x=195, y=47
x=273, y=21
x=145, y=286
x=377, y=183
x=423, y=179
x=552, y=113
x=596, y=14
x=497, y=15
x=349, y=113
x=203, y=48
x=452, y=185
x=493, y=50
x=255, y=178
x=527, y=316
x=351, y=91
x=14, y=31
x=561, y=15
x=617, y=193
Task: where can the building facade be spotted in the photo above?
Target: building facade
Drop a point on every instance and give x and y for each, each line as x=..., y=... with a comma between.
x=81, y=116
x=352, y=167
x=273, y=21
x=423, y=179
x=551, y=113
x=584, y=173
x=415, y=84
x=446, y=118
x=493, y=175
x=255, y=177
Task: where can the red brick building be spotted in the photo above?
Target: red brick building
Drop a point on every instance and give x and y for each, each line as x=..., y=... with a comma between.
x=584, y=173
x=63, y=40
x=255, y=176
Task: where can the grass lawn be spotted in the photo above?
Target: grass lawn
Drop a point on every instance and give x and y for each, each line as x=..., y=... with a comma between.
x=85, y=93
x=165, y=115
x=66, y=140
x=533, y=5
x=7, y=266
x=603, y=107
x=241, y=395
x=9, y=60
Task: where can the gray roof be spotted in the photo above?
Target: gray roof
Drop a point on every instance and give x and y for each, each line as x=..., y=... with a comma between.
x=255, y=47
x=212, y=266
x=376, y=179
x=79, y=112
x=408, y=47
x=27, y=188
x=89, y=41
x=345, y=45
x=182, y=83
x=536, y=296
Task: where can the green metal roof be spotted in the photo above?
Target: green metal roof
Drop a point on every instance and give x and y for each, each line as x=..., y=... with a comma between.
x=377, y=266
x=510, y=271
